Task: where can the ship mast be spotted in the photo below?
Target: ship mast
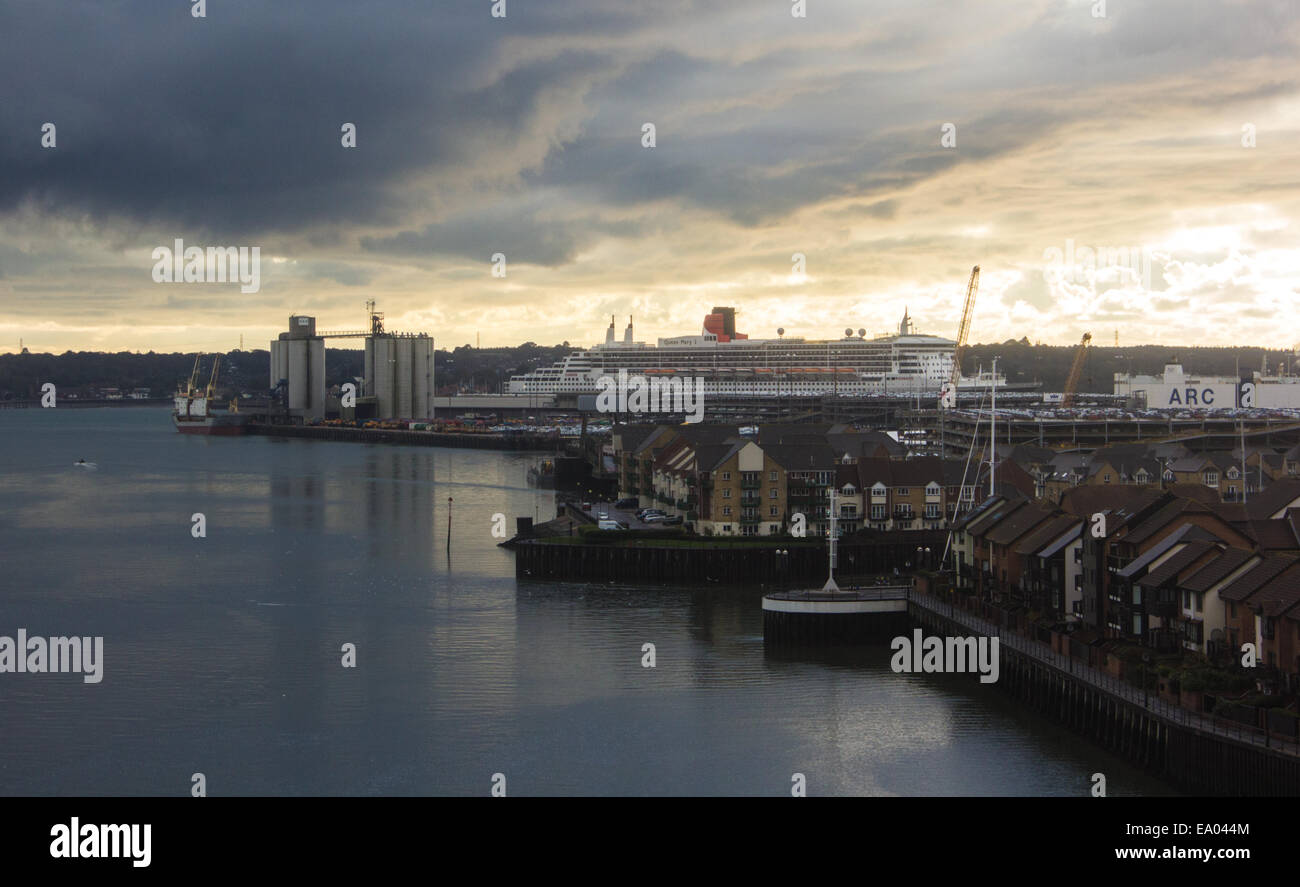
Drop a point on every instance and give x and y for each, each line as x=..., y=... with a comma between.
x=830, y=585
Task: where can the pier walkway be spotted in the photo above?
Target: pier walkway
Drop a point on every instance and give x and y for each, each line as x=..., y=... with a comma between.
x=1100, y=680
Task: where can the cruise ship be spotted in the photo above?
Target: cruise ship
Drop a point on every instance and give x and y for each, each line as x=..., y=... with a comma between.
x=732, y=364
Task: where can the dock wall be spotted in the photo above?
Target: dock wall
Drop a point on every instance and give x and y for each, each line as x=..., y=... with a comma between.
x=1195, y=753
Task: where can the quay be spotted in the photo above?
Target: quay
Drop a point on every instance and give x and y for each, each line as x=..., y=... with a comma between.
x=766, y=561
x=1197, y=753
x=508, y=441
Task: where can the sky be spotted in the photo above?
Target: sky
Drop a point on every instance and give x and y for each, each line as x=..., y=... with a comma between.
x=1127, y=166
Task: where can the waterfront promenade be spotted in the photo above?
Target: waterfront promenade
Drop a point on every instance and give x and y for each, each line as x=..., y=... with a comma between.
x=1100, y=680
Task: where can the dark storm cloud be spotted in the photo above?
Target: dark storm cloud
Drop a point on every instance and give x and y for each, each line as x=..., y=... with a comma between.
x=521, y=234
x=230, y=125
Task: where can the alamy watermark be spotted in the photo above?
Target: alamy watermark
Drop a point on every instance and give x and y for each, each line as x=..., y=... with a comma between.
x=216, y=264
x=91, y=841
x=53, y=655
x=1080, y=264
x=637, y=394
x=952, y=655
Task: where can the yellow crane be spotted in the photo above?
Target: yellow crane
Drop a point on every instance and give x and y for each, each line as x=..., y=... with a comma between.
x=948, y=399
x=212, y=379
x=1076, y=370
x=194, y=378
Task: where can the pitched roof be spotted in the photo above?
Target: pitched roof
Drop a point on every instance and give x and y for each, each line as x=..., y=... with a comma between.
x=1120, y=500
x=809, y=456
x=1163, y=517
x=1185, y=533
x=1270, y=535
x=1001, y=510
x=980, y=510
x=865, y=444
x=1256, y=577
x=1191, y=554
x=1273, y=498
x=1024, y=520
x=1278, y=595
x=1216, y=570
x=631, y=436
x=1071, y=533
x=1049, y=532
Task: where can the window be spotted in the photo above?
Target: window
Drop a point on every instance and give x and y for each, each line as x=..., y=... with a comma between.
x=726, y=493
x=772, y=477
x=1106, y=478
x=771, y=512
x=1211, y=478
x=1187, y=600
x=901, y=491
x=1232, y=610
x=932, y=512
x=726, y=528
x=726, y=511
x=877, y=512
x=771, y=493
x=726, y=475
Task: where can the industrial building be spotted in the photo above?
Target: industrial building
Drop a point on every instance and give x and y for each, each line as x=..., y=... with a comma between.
x=399, y=375
x=398, y=381
x=1179, y=390
x=298, y=363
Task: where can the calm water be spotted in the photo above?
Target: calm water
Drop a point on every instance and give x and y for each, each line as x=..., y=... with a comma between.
x=222, y=655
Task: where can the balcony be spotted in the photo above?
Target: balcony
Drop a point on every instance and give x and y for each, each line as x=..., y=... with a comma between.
x=751, y=484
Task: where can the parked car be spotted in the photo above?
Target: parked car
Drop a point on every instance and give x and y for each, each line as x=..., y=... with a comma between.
x=655, y=518
x=610, y=525
x=674, y=521
x=625, y=504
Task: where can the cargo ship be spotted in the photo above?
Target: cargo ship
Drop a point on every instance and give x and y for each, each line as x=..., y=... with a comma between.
x=542, y=476
x=192, y=412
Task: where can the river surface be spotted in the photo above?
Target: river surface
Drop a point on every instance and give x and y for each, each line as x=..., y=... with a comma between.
x=223, y=655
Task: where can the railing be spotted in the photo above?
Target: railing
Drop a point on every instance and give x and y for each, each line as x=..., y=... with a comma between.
x=1108, y=683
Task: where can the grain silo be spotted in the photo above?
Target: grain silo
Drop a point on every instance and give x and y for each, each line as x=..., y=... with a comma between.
x=298, y=363
x=399, y=375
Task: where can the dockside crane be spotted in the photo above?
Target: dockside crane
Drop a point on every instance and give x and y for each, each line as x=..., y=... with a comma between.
x=1076, y=371
x=191, y=385
x=948, y=398
x=212, y=379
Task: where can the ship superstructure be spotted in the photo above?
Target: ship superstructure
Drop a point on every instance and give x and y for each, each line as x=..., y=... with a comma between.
x=733, y=364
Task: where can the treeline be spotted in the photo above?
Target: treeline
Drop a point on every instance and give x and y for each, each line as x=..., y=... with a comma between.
x=86, y=373
x=488, y=369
